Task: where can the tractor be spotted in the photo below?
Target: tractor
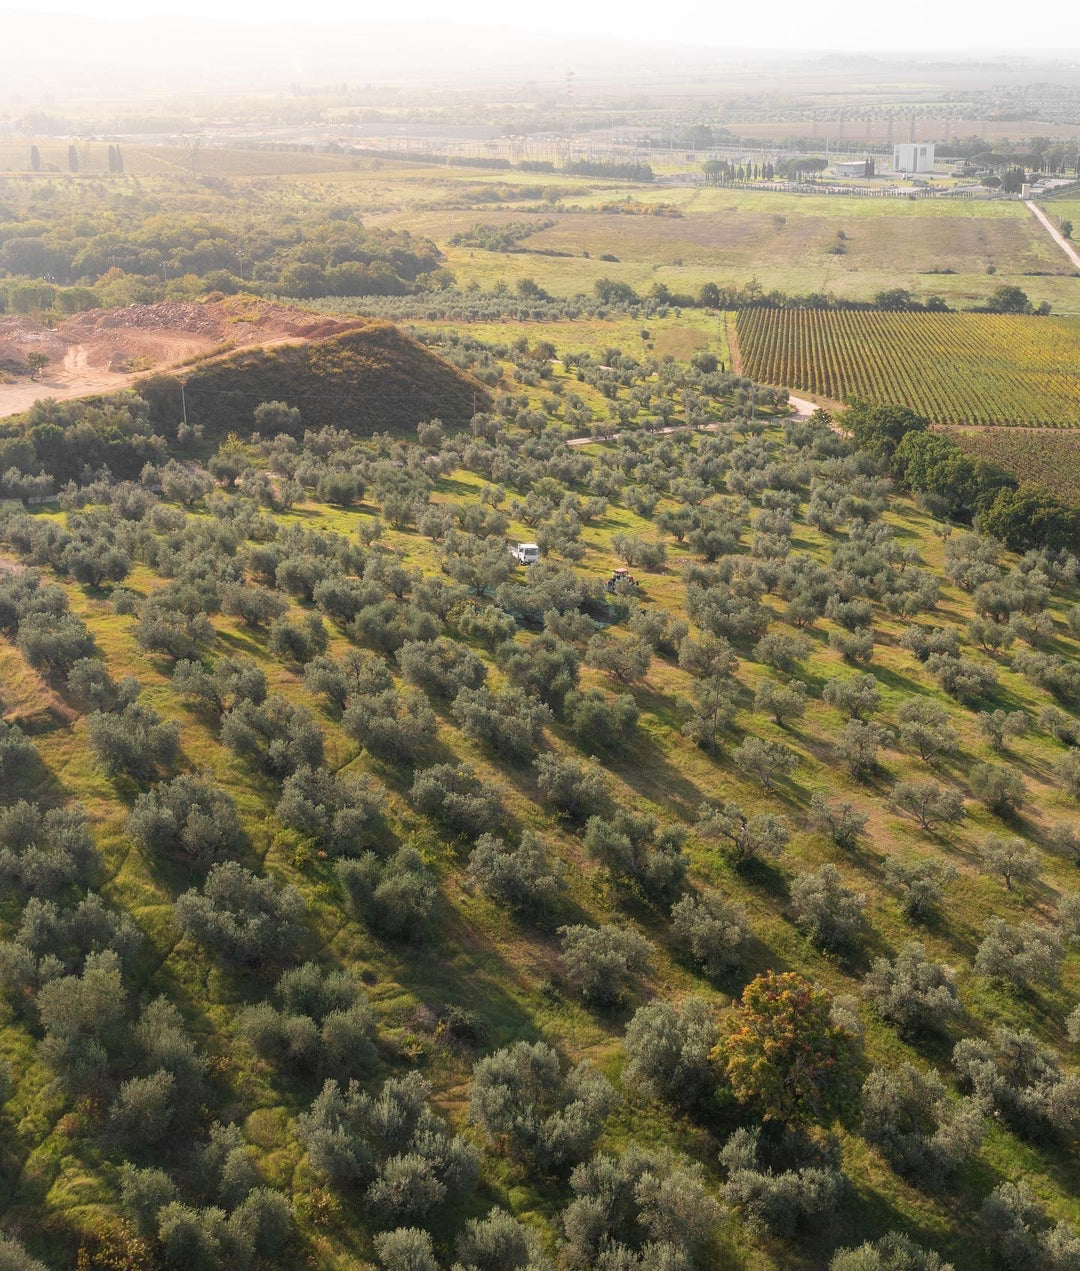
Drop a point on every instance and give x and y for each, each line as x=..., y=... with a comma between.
x=622, y=580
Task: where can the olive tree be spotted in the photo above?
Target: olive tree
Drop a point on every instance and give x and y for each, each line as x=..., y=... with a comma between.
x=915, y=994
x=713, y=930
x=668, y=1048
x=526, y=1105
x=601, y=962
x=909, y=1118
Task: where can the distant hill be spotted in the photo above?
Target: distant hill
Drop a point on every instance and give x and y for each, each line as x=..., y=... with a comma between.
x=374, y=378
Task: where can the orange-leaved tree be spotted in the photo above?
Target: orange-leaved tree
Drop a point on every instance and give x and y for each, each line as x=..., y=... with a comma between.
x=785, y=1054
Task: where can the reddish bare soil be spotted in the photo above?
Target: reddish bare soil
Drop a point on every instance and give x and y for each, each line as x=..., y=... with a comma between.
x=104, y=350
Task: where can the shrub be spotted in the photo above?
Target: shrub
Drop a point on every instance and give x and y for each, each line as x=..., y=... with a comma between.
x=858, y=744
x=916, y=995
x=498, y=1243
x=461, y=802
x=765, y=760
x=598, y=722
x=254, y=606
x=243, y=919
x=190, y=818
x=962, y=678
x=925, y=728
x=999, y=726
x=522, y=878
x=51, y=940
x=784, y=1053
x=54, y=642
x=526, y=1106
x=1068, y=771
x=15, y=747
x=173, y=633
x=784, y=702
x=232, y=681
x=920, y=884
x=41, y=851
x=390, y=1144
x=625, y=660
x=893, y=1252
x=601, y=962
x=667, y=1051
x=660, y=630
x=359, y=673
x=276, y=735
x=90, y=683
x=829, y=913
x=752, y=837
x=84, y=1019
x=406, y=1249
x=857, y=696
x=842, y=822
x=395, y=896
x=714, y=931
x=545, y=667
x=292, y=640
x=633, y=852
x=323, y=1023
x=1018, y=1236
x=909, y=1118
x=853, y=646
x=441, y=667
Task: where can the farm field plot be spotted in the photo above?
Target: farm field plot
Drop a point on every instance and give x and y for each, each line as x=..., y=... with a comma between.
x=787, y=242
x=956, y=368
x=1050, y=460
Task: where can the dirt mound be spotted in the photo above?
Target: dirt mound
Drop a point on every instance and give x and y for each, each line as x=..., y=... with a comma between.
x=368, y=377
x=101, y=350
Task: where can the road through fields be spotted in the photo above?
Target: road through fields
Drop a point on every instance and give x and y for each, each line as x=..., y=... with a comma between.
x=1054, y=233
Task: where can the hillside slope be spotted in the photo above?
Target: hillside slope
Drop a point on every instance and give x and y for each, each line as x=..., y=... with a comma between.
x=374, y=378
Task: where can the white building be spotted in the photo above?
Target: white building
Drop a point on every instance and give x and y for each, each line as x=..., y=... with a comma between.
x=912, y=156
x=855, y=168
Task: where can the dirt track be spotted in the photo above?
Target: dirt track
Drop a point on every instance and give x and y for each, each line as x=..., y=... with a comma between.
x=104, y=351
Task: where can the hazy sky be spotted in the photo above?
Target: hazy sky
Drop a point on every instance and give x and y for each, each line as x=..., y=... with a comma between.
x=919, y=25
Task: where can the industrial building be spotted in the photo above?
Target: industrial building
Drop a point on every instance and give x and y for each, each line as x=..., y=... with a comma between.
x=913, y=156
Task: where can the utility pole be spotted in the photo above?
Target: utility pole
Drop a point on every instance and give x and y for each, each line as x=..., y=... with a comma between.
x=183, y=403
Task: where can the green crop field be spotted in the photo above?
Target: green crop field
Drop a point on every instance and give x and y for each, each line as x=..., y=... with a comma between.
x=955, y=368
x=1050, y=460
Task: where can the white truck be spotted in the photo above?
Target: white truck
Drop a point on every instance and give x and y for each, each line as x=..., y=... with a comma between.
x=525, y=553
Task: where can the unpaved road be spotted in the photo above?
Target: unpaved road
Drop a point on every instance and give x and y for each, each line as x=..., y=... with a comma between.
x=1054, y=232
x=98, y=351
x=73, y=378
x=803, y=410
